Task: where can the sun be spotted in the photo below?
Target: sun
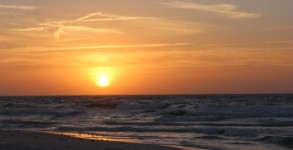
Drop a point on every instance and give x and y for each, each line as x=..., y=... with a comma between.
x=103, y=81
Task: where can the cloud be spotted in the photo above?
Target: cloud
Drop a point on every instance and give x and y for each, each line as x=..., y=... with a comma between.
x=19, y=7
x=166, y=26
x=103, y=17
x=114, y=46
x=89, y=29
x=57, y=34
x=281, y=28
x=227, y=10
x=111, y=17
x=62, y=26
x=88, y=16
x=31, y=29
x=279, y=42
x=62, y=29
x=7, y=13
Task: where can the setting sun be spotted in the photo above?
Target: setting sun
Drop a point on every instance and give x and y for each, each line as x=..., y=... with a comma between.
x=103, y=81
x=146, y=72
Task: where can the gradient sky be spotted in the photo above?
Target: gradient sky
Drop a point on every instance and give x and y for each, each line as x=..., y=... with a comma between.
x=61, y=47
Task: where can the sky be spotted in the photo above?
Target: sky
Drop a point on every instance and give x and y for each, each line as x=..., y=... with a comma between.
x=63, y=47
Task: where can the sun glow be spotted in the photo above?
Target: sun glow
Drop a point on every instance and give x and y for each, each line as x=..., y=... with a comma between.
x=103, y=81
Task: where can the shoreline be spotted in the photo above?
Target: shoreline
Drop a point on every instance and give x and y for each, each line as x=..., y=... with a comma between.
x=29, y=140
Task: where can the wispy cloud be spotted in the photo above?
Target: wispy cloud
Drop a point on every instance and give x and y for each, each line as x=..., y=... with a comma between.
x=279, y=42
x=114, y=46
x=57, y=34
x=281, y=28
x=227, y=10
x=62, y=26
x=90, y=23
x=98, y=30
x=62, y=29
x=111, y=17
x=102, y=17
x=88, y=16
x=19, y=7
x=31, y=29
x=7, y=13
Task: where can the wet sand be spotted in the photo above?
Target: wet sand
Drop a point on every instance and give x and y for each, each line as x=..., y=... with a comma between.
x=20, y=140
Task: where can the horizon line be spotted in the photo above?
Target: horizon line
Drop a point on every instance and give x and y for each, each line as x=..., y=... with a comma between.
x=178, y=94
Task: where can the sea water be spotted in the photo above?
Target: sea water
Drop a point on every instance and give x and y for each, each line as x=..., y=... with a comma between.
x=221, y=122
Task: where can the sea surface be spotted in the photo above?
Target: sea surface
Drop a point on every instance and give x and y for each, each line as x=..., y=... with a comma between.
x=216, y=122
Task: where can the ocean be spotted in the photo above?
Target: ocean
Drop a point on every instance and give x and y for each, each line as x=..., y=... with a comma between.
x=216, y=122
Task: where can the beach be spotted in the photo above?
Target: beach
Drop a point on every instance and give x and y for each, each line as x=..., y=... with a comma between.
x=146, y=75
x=23, y=140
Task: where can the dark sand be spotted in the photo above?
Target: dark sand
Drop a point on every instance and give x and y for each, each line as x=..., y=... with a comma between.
x=20, y=140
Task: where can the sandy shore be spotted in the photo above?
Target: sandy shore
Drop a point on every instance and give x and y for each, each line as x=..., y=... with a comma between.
x=20, y=140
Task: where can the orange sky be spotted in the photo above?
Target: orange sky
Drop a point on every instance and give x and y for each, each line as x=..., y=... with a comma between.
x=52, y=47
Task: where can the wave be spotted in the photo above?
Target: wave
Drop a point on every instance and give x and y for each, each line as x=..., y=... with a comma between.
x=101, y=105
x=212, y=124
x=201, y=146
x=48, y=112
x=109, y=122
x=227, y=132
x=24, y=123
x=258, y=119
x=284, y=141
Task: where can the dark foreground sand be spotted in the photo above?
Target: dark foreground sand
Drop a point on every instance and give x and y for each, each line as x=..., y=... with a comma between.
x=20, y=140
